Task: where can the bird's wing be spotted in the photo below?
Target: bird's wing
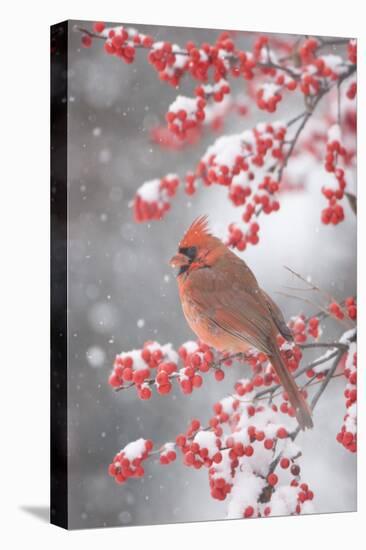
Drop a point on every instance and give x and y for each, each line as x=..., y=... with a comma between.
x=278, y=318
x=234, y=303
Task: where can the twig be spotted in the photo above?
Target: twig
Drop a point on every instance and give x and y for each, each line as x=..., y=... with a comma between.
x=326, y=381
x=297, y=374
x=314, y=287
x=303, y=299
x=267, y=491
x=337, y=345
x=310, y=284
x=217, y=365
x=295, y=119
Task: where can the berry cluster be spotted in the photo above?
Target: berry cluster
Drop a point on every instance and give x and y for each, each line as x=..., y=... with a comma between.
x=268, y=95
x=348, y=434
x=122, y=43
x=349, y=309
x=167, y=61
x=212, y=65
x=239, y=239
x=352, y=52
x=248, y=446
x=307, y=51
x=217, y=91
x=254, y=438
x=190, y=183
x=352, y=90
x=185, y=114
x=222, y=59
x=309, y=84
x=334, y=159
x=154, y=364
x=197, y=358
x=167, y=453
x=314, y=328
x=127, y=463
x=351, y=306
x=313, y=74
x=240, y=163
x=238, y=448
x=215, y=116
x=152, y=199
x=202, y=450
x=303, y=327
x=157, y=365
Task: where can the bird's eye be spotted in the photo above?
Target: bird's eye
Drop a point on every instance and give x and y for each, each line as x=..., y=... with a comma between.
x=189, y=251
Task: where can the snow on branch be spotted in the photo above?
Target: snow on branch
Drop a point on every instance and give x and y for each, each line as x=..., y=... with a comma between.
x=248, y=445
x=252, y=165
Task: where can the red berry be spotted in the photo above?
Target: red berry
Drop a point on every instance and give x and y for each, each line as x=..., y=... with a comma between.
x=86, y=41
x=268, y=443
x=272, y=479
x=219, y=375
x=248, y=512
x=98, y=26
x=282, y=433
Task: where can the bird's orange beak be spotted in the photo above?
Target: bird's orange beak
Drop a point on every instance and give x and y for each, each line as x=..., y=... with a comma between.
x=178, y=260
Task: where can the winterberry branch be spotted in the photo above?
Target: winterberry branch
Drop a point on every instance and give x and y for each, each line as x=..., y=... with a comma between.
x=335, y=308
x=253, y=430
x=268, y=489
x=312, y=74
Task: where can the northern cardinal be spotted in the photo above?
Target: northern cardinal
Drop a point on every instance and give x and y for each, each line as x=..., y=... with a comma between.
x=226, y=308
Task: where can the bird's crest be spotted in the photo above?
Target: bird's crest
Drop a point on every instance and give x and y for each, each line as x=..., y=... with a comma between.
x=197, y=231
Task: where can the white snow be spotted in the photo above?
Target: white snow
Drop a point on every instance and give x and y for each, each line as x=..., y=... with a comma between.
x=217, y=109
x=138, y=362
x=334, y=133
x=290, y=449
x=240, y=180
x=269, y=90
x=347, y=336
x=227, y=404
x=191, y=346
x=182, y=374
x=334, y=62
x=226, y=149
x=134, y=449
x=223, y=469
x=180, y=60
x=284, y=501
x=351, y=419
x=325, y=357
x=245, y=492
x=149, y=191
x=184, y=103
x=207, y=439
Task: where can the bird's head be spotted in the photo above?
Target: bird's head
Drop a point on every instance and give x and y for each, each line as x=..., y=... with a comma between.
x=198, y=248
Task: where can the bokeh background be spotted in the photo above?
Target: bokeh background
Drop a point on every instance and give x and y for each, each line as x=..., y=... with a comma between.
x=122, y=291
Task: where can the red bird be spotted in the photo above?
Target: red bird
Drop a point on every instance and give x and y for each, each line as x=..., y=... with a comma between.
x=226, y=308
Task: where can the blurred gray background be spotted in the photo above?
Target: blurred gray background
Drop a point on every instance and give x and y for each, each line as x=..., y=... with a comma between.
x=122, y=291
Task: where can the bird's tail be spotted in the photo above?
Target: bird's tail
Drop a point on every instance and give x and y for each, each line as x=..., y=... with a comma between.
x=297, y=400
